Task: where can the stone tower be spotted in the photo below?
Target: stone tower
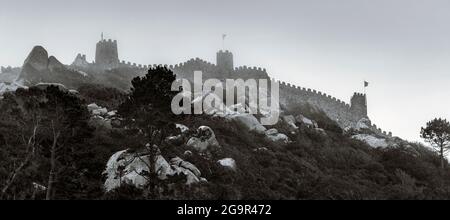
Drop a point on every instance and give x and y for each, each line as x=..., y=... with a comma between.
x=225, y=61
x=106, y=54
x=359, y=105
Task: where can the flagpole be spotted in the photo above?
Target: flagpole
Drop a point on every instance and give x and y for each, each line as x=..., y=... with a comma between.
x=364, y=85
x=223, y=41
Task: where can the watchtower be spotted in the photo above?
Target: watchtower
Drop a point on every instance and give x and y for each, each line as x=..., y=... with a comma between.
x=225, y=61
x=359, y=105
x=106, y=53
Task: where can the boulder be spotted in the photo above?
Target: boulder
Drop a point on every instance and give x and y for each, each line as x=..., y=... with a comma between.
x=99, y=121
x=131, y=168
x=290, y=120
x=100, y=111
x=306, y=121
x=183, y=128
x=111, y=113
x=176, y=161
x=205, y=140
x=124, y=168
x=371, y=140
x=175, y=140
x=228, y=163
x=273, y=135
x=250, y=122
x=91, y=107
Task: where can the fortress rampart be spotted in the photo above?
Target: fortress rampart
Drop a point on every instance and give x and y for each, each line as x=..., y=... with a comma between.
x=345, y=114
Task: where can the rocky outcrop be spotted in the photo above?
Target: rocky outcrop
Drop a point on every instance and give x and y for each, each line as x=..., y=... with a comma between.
x=178, y=162
x=306, y=121
x=290, y=120
x=101, y=117
x=80, y=61
x=133, y=168
x=10, y=87
x=204, y=141
x=372, y=140
x=97, y=110
x=37, y=59
x=40, y=68
x=183, y=128
x=250, y=122
x=9, y=74
x=273, y=135
x=54, y=64
x=125, y=168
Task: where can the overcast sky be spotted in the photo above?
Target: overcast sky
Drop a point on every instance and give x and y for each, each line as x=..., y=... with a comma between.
x=402, y=47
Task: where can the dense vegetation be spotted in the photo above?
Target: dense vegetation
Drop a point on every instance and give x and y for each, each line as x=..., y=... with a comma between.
x=48, y=149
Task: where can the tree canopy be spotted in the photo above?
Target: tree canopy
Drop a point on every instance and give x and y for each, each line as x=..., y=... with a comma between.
x=437, y=133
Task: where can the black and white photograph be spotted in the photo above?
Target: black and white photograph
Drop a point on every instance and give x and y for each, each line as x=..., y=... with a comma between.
x=224, y=100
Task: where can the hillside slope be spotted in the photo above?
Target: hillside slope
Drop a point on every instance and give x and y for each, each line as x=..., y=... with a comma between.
x=317, y=163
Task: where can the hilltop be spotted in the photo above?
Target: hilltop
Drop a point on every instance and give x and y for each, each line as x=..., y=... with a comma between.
x=110, y=71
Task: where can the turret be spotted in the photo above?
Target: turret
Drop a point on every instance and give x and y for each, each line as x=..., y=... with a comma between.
x=225, y=61
x=359, y=105
x=106, y=53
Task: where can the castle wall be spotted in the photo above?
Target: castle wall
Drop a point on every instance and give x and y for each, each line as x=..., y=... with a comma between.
x=344, y=114
x=245, y=72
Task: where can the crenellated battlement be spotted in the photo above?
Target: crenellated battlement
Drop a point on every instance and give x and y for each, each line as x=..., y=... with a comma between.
x=107, y=42
x=106, y=53
x=345, y=114
x=224, y=51
x=379, y=131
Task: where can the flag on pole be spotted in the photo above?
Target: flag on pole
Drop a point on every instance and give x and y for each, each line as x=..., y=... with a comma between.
x=223, y=40
x=366, y=84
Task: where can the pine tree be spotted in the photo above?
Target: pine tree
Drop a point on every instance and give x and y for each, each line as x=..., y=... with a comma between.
x=437, y=133
x=147, y=111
